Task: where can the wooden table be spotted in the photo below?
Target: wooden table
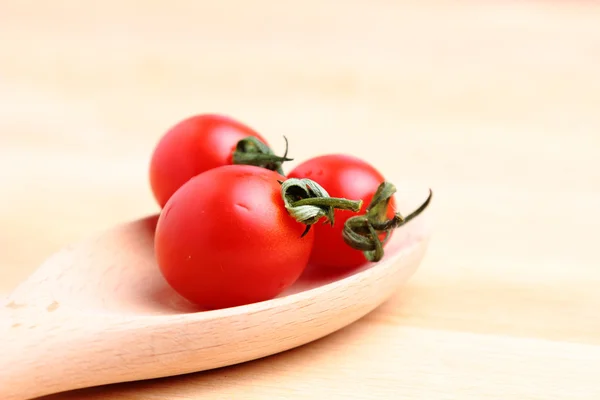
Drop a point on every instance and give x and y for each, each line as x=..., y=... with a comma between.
x=494, y=104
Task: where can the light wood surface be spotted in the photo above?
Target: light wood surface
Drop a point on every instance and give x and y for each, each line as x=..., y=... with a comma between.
x=494, y=104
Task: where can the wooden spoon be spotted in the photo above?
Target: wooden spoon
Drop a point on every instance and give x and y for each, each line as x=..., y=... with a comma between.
x=100, y=312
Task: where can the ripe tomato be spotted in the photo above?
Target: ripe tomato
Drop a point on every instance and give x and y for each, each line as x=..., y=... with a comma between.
x=203, y=142
x=231, y=236
x=342, y=176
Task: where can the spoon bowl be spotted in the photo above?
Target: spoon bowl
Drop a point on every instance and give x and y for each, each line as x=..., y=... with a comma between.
x=100, y=312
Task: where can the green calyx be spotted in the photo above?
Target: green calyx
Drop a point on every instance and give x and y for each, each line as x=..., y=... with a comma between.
x=362, y=232
x=252, y=151
x=308, y=202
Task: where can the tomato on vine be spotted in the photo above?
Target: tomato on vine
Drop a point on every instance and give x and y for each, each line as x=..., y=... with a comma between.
x=202, y=142
x=240, y=234
x=353, y=239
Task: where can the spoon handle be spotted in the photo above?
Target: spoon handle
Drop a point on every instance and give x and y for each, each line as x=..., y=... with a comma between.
x=45, y=351
x=38, y=353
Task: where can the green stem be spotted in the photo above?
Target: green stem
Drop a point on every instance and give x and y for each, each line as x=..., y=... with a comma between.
x=252, y=151
x=307, y=202
x=362, y=232
x=399, y=220
x=342, y=204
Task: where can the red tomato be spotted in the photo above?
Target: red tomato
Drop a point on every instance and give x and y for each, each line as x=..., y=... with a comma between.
x=225, y=238
x=347, y=177
x=200, y=143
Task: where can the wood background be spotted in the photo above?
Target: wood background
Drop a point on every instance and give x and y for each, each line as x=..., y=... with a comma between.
x=494, y=104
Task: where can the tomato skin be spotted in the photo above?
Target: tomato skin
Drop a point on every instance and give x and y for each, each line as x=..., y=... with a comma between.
x=192, y=146
x=347, y=177
x=225, y=239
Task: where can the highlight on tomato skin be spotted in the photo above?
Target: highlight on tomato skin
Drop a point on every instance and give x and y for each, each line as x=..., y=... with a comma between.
x=344, y=176
x=200, y=143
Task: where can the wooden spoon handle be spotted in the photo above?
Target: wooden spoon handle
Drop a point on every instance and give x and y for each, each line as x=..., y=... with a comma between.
x=44, y=352
x=35, y=352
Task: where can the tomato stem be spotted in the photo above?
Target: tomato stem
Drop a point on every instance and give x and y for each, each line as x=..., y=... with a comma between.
x=362, y=232
x=308, y=202
x=252, y=151
x=342, y=204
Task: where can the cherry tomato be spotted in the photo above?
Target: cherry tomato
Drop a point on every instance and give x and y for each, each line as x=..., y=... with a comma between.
x=347, y=177
x=203, y=142
x=225, y=238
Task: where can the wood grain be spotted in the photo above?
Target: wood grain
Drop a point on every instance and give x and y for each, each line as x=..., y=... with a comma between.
x=494, y=104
